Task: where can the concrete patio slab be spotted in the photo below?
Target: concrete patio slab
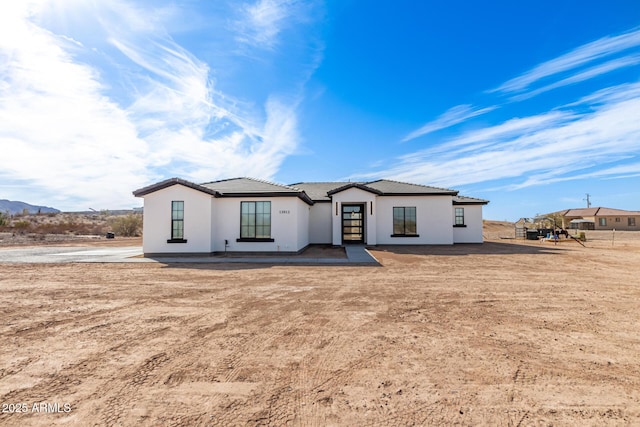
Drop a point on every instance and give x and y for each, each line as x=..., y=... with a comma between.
x=356, y=255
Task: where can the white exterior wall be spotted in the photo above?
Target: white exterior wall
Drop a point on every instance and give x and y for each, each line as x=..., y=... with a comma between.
x=303, y=224
x=288, y=215
x=354, y=195
x=157, y=221
x=320, y=227
x=472, y=233
x=209, y=221
x=433, y=220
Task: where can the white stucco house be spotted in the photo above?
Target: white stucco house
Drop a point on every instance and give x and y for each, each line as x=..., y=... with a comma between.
x=250, y=215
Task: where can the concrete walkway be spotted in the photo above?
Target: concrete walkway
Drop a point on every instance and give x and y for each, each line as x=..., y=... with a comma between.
x=359, y=254
x=356, y=255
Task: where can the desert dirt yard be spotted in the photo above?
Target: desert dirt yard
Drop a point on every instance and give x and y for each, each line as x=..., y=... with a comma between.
x=508, y=333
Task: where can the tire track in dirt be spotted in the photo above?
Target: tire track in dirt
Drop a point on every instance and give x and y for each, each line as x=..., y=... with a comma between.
x=60, y=381
x=116, y=405
x=304, y=401
x=303, y=404
x=4, y=372
x=63, y=384
x=69, y=379
x=278, y=402
x=170, y=367
x=247, y=349
x=323, y=371
x=46, y=326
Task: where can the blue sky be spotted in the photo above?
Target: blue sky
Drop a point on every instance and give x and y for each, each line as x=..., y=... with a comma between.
x=530, y=105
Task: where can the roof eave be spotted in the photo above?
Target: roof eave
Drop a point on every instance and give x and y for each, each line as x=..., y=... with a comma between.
x=301, y=195
x=479, y=202
x=354, y=185
x=171, y=182
x=432, y=193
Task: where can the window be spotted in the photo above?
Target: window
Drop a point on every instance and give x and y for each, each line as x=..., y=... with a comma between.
x=255, y=221
x=404, y=222
x=177, y=222
x=631, y=222
x=617, y=219
x=602, y=221
x=459, y=219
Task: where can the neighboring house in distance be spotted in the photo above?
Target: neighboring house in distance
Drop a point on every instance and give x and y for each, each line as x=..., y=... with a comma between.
x=250, y=215
x=600, y=219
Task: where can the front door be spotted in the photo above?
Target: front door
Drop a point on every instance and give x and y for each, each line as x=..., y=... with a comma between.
x=352, y=223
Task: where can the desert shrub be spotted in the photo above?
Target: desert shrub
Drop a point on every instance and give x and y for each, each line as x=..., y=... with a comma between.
x=51, y=228
x=4, y=219
x=21, y=225
x=127, y=226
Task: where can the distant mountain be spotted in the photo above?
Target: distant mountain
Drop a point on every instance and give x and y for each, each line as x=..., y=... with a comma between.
x=19, y=207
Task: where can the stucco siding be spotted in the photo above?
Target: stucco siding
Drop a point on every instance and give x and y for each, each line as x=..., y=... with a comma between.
x=320, y=223
x=433, y=220
x=354, y=195
x=621, y=224
x=472, y=231
x=157, y=221
x=302, y=218
x=284, y=225
x=212, y=219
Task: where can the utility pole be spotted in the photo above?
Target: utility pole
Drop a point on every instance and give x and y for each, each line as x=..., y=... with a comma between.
x=588, y=201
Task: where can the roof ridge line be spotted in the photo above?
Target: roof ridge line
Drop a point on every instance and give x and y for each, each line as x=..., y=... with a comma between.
x=411, y=183
x=265, y=181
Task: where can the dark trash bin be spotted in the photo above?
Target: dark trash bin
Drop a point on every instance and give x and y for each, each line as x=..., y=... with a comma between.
x=111, y=235
x=532, y=234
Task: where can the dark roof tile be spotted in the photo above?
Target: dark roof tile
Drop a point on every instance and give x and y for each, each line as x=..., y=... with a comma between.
x=387, y=186
x=168, y=183
x=464, y=200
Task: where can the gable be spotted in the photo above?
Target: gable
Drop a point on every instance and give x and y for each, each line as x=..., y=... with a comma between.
x=354, y=194
x=354, y=185
x=169, y=183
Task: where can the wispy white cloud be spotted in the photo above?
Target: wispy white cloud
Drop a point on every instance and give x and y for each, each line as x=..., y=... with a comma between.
x=66, y=138
x=583, y=55
x=69, y=135
x=480, y=138
x=589, y=73
x=261, y=23
x=563, y=144
x=597, y=136
x=451, y=117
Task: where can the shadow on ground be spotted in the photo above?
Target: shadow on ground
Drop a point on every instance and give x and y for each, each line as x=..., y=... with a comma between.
x=248, y=265
x=487, y=248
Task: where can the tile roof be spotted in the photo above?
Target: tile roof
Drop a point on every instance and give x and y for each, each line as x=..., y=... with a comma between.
x=615, y=212
x=307, y=191
x=168, y=183
x=464, y=200
x=358, y=185
x=319, y=191
x=235, y=187
x=248, y=185
x=599, y=211
x=581, y=212
x=387, y=186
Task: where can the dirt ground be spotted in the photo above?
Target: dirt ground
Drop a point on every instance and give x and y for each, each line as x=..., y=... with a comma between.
x=508, y=333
